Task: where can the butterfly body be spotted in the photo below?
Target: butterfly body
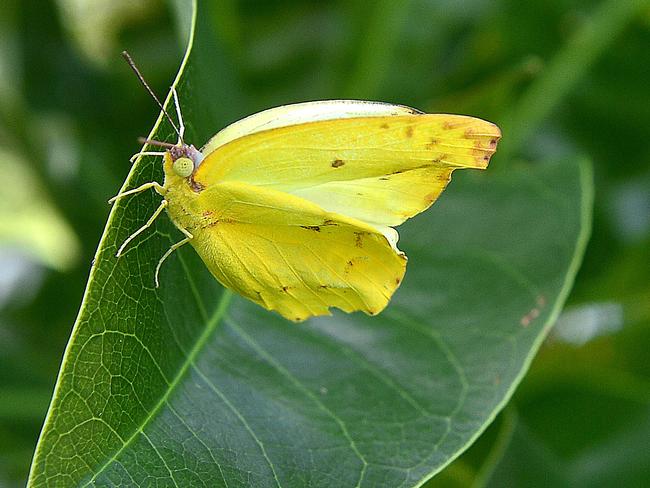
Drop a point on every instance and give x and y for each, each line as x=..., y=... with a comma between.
x=283, y=252
x=294, y=207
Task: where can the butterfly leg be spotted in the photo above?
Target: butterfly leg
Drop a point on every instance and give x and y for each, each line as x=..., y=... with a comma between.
x=162, y=206
x=188, y=238
x=181, y=130
x=152, y=184
x=146, y=153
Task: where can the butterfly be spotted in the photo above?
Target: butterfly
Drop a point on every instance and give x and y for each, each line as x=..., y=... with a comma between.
x=294, y=207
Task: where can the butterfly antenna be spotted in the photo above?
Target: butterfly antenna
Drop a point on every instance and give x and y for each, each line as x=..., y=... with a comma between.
x=153, y=142
x=135, y=69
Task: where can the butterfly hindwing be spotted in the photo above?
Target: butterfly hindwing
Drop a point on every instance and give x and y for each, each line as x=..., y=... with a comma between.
x=290, y=255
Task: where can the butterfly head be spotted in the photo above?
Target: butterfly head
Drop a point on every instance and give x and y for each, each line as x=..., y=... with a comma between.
x=180, y=163
x=185, y=159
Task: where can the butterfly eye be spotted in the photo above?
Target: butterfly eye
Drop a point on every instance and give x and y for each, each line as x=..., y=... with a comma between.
x=183, y=167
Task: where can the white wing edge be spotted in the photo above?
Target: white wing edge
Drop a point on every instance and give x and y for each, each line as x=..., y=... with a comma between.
x=391, y=235
x=299, y=113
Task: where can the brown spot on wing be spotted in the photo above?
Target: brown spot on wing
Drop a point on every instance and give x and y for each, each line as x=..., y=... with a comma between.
x=315, y=228
x=384, y=126
x=337, y=163
x=449, y=125
x=215, y=222
x=432, y=144
x=409, y=131
x=358, y=239
x=439, y=159
x=430, y=198
x=422, y=166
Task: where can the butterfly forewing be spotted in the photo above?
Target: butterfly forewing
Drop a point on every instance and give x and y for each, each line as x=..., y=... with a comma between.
x=299, y=113
x=380, y=169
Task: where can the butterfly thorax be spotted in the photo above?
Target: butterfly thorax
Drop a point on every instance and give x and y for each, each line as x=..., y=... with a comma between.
x=181, y=190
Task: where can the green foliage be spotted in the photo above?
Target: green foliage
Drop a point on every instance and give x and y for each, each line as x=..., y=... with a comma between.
x=387, y=383
x=178, y=383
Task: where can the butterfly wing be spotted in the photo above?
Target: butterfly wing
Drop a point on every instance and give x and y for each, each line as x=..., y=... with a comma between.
x=290, y=255
x=381, y=169
x=297, y=202
x=298, y=113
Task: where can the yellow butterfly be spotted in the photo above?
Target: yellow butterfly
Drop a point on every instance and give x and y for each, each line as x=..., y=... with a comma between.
x=294, y=207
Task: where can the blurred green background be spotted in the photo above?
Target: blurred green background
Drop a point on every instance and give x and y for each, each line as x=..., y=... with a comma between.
x=561, y=77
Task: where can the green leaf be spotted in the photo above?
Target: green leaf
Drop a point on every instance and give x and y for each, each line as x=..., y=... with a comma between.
x=567, y=69
x=584, y=425
x=587, y=438
x=188, y=385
